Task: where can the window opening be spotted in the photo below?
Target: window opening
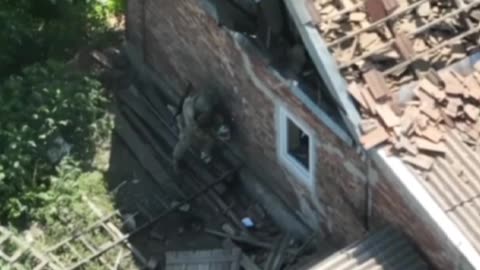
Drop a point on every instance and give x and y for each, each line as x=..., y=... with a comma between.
x=298, y=144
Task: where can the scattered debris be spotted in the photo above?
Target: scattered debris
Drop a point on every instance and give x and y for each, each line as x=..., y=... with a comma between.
x=129, y=221
x=277, y=256
x=152, y=263
x=157, y=236
x=228, y=228
x=390, y=46
x=245, y=261
x=248, y=222
x=374, y=138
x=184, y=208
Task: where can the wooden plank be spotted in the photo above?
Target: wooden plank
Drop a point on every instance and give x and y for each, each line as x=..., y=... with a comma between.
x=432, y=90
x=147, y=225
x=390, y=5
x=431, y=111
x=427, y=145
x=422, y=121
x=356, y=92
x=379, y=9
x=404, y=46
x=389, y=118
x=404, y=143
x=451, y=109
x=428, y=87
x=146, y=156
x=115, y=231
x=376, y=84
x=367, y=125
x=473, y=87
x=452, y=85
x=419, y=161
x=406, y=125
x=245, y=261
x=432, y=133
x=397, y=106
x=374, y=138
x=369, y=101
x=472, y=112
x=277, y=256
x=237, y=253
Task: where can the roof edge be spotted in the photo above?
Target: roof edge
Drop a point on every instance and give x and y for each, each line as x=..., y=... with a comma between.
x=325, y=64
x=241, y=42
x=395, y=168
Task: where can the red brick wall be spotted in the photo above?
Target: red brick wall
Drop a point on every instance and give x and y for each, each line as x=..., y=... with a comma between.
x=183, y=43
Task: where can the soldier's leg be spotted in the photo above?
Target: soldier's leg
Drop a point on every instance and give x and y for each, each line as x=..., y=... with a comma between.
x=208, y=142
x=182, y=146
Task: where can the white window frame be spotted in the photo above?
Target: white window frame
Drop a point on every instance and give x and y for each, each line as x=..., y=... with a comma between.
x=291, y=163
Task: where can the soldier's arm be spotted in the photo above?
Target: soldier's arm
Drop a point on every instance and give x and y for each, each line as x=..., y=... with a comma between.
x=188, y=91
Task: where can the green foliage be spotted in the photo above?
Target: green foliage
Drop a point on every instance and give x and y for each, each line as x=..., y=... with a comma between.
x=64, y=209
x=36, y=30
x=45, y=102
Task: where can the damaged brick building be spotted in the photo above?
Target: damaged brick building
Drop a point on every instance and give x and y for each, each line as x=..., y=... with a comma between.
x=297, y=128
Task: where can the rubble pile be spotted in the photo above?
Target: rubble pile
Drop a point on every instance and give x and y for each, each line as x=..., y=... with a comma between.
x=412, y=122
x=395, y=55
x=360, y=34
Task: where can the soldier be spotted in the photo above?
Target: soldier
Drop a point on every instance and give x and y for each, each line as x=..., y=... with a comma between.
x=200, y=124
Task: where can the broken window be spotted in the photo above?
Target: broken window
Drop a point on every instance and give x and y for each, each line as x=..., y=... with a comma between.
x=298, y=144
x=269, y=27
x=295, y=145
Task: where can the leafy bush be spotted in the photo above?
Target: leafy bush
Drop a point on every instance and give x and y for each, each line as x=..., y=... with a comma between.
x=43, y=105
x=64, y=209
x=35, y=30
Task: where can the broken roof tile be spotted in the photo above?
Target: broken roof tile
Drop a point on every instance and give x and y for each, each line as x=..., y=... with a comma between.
x=369, y=101
x=427, y=145
x=404, y=46
x=389, y=118
x=422, y=121
x=431, y=111
x=472, y=111
x=452, y=84
x=428, y=87
x=374, y=138
x=367, y=125
x=355, y=91
x=379, y=9
x=419, y=161
x=472, y=86
x=376, y=84
x=406, y=144
x=432, y=133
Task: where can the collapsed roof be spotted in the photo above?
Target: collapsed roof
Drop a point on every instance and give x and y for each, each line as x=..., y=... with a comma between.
x=411, y=69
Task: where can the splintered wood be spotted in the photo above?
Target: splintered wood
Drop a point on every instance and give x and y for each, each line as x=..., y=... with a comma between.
x=392, y=35
x=389, y=52
x=415, y=130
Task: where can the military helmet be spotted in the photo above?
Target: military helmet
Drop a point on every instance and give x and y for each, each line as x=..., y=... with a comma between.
x=206, y=101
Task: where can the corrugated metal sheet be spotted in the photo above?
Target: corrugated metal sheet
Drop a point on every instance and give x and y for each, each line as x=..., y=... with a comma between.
x=215, y=259
x=454, y=182
x=386, y=249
